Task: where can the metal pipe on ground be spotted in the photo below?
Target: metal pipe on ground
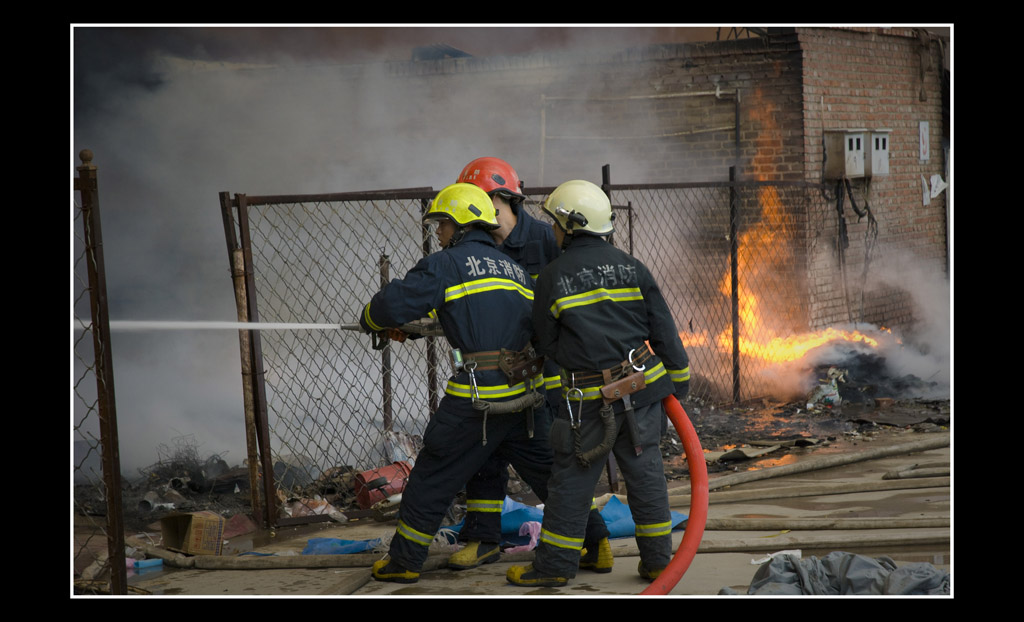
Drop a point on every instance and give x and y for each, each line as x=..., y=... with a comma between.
x=817, y=490
x=815, y=524
x=824, y=462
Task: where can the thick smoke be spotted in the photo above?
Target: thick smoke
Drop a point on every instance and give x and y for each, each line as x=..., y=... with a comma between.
x=916, y=362
x=927, y=346
x=176, y=115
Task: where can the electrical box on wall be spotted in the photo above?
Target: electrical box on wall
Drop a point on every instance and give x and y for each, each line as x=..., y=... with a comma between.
x=878, y=160
x=856, y=153
x=844, y=153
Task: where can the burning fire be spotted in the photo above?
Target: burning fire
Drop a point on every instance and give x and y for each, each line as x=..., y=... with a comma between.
x=761, y=261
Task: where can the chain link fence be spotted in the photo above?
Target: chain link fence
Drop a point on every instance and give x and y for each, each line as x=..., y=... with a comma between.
x=694, y=238
x=335, y=405
x=98, y=537
x=338, y=409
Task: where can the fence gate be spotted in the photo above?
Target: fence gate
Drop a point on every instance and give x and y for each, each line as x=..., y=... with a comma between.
x=325, y=405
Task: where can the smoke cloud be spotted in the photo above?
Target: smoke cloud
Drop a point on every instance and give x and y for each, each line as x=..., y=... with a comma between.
x=916, y=363
x=176, y=115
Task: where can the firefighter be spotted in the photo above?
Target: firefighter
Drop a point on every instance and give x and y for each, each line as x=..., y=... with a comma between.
x=532, y=244
x=595, y=309
x=482, y=300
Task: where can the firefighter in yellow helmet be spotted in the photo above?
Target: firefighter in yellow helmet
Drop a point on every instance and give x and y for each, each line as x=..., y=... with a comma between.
x=482, y=299
x=595, y=310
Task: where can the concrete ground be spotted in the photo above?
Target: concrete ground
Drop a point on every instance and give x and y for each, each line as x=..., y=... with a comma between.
x=836, y=495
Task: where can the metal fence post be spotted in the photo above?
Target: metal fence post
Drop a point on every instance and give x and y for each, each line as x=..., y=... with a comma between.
x=237, y=259
x=88, y=188
x=734, y=273
x=385, y=353
x=433, y=394
x=259, y=392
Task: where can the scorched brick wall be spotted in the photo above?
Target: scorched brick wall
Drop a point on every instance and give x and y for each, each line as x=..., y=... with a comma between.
x=875, y=79
x=668, y=113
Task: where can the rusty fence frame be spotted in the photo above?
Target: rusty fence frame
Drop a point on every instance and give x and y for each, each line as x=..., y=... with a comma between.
x=86, y=184
x=235, y=216
x=236, y=209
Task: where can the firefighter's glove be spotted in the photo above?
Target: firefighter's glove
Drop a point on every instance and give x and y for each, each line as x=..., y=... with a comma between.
x=682, y=390
x=395, y=334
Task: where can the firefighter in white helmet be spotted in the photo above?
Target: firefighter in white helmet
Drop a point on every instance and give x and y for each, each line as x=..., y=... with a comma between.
x=595, y=310
x=482, y=299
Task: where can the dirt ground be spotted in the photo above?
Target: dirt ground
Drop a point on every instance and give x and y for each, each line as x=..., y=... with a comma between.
x=797, y=433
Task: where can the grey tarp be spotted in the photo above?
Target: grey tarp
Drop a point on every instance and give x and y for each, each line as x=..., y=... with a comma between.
x=841, y=573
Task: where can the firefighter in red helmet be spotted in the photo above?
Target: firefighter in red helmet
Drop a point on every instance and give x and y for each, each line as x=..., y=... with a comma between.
x=531, y=243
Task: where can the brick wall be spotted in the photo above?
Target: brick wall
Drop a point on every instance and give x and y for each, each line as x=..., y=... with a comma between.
x=652, y=113
x=873, y=78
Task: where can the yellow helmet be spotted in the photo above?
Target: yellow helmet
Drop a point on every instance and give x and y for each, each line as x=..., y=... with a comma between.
x=579, y=205
x=463, y=204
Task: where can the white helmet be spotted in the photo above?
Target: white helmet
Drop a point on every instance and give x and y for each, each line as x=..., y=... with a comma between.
x=579, y=205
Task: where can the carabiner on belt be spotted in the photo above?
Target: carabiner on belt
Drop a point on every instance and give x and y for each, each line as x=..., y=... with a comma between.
x=576, y=393
x=630, y=359
x=470, y=366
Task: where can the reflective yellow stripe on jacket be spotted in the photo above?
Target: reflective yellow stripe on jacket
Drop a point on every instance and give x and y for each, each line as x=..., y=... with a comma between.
x=593, y=296
x=369, y=322
x=485, y=285
x=679, y=375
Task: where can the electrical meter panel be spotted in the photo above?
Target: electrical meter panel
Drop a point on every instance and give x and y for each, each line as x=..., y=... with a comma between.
x=878, y=161
x=844, y=152
x=856, y=153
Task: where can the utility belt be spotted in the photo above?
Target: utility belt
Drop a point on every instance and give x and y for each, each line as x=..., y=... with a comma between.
x=518, y=366
x=616, y=383
x=600, y=378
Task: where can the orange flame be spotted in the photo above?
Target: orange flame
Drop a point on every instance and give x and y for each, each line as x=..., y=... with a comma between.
x=759, y=261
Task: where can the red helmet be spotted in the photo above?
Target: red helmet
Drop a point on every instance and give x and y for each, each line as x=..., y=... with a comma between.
x=491, y=175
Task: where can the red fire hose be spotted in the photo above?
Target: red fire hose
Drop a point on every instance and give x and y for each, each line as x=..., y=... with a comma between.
x=698, y=501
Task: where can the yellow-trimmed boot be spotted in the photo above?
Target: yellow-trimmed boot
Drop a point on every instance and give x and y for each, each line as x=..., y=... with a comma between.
x=389, y=570
x=647, y=573
x=600, y=559
x=474, y=554
x=526, y=576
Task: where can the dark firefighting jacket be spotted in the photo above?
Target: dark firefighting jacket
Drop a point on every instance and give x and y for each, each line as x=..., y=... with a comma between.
x=592, y=306
x=479, y=295
x=531, y=243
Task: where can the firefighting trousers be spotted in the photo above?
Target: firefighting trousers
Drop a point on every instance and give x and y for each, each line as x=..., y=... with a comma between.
x=485, y=494
x=452, y=453
x=571, y=487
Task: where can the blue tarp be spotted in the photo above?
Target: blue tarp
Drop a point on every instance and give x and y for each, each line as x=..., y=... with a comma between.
x=334, y=546
x=513, y=515
x=620, y=522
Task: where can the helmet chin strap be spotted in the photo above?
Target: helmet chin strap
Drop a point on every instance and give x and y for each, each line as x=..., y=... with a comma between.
x=566, y=237
x=460, y=232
